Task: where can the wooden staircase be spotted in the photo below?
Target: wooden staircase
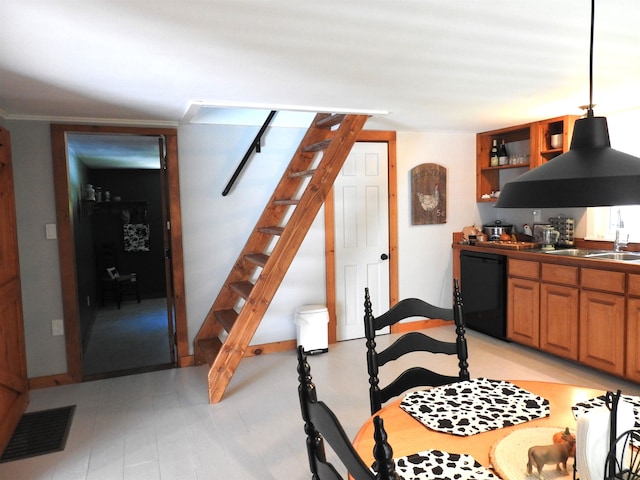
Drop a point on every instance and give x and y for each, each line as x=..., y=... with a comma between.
x=271, y=247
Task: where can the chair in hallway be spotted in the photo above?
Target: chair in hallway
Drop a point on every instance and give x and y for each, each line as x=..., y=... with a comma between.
x=111, y=283
x=413, y=342
x=321, y=425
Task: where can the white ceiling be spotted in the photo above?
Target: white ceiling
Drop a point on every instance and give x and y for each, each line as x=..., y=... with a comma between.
x=463, y=65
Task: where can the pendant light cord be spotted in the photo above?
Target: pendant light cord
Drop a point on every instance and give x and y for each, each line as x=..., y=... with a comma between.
x=590, y=111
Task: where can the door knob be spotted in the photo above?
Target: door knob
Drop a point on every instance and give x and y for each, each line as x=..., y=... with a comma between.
x=384, y=256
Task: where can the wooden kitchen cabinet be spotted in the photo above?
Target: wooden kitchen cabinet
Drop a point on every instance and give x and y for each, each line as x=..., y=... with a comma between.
x=559, y=310
x=529, y=143
x=580, y=309
x=602, y=320
x=632, y=367
x=523, y=302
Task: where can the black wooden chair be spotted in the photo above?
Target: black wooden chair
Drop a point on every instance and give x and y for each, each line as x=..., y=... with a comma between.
x=412, y=342
x=321, y=425
x=111, y=283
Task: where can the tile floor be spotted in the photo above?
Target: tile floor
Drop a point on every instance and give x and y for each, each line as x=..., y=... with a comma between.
x=130, y=337
x=159, y=425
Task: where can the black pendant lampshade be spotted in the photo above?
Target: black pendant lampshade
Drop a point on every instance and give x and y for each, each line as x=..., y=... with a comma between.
x=590, y=174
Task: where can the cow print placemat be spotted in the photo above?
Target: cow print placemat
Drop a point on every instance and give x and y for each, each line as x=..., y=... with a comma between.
x=442, y=465
x=474, y=406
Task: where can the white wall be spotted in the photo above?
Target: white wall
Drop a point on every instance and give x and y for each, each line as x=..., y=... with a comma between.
x=425, y=250
x=216, y=227
x=39, y=266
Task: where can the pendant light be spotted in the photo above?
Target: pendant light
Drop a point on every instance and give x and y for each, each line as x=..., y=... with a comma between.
x=590, y=174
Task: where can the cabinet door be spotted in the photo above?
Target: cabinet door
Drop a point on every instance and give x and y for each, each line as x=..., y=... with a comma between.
x=523, y=316
x=632, y=370
x=602, y=331
x=559, y=307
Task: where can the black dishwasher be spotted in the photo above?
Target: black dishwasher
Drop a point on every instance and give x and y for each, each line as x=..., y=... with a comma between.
x=483, y=284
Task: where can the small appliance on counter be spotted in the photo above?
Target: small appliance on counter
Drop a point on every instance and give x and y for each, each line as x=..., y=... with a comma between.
x=546, y=236
x=565, y=227
x=494, y=231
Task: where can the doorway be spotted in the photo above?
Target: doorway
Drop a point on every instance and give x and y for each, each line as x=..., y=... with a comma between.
x=388, y=139
x=140, y=227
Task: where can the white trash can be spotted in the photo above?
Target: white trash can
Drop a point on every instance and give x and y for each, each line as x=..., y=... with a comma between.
x=312, y=323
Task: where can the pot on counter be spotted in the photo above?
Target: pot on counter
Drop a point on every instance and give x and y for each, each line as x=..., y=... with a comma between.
x=494, y=231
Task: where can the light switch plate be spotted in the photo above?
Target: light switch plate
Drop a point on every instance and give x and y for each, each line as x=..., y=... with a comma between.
x=57, y=327
x=50, y=231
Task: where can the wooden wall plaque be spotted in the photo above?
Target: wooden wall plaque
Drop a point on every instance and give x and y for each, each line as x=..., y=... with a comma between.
x=428, y=194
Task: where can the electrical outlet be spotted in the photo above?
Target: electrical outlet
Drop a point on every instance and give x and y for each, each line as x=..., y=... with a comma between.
x=537, y=216
x=57, y=327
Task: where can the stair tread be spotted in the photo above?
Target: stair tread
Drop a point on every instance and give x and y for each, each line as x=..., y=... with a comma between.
x=243, y=288
x=286, y=201
x=210, y=348
x=272, y=230
x=331, y=120
x=259, y=259
x=303, y=173
x=226, y=318
x=318, y=146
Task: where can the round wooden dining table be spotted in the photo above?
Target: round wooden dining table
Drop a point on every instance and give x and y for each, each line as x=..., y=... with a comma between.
x=408, y=436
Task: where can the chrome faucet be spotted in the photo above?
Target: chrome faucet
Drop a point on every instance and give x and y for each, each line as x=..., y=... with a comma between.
x=622, y=239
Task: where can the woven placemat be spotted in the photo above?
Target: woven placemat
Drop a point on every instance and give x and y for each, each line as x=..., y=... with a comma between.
x=509, y=455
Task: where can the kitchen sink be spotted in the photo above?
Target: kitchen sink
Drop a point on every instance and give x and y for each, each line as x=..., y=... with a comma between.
x=575, y=252
x=624, y=256
x=596, y=254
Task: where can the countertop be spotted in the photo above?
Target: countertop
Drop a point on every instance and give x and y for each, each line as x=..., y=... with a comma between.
x=539, y=255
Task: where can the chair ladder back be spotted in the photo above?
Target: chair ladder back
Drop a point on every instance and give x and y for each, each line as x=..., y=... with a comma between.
x=410, y=379
x=412, y=342
x=411, y=307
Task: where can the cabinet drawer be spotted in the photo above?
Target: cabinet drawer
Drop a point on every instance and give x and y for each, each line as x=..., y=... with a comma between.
x=634, y=285
x=604, y=280
x=559, y=274
x=524, y=268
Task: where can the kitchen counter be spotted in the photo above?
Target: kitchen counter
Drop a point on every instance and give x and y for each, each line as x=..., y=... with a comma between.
x=584, y=309
x=539, y=255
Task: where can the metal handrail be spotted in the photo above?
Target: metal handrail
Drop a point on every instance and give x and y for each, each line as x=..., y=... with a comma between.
x=255, y=145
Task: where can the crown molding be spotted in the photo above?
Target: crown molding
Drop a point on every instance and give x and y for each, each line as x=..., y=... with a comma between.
x=89, y=120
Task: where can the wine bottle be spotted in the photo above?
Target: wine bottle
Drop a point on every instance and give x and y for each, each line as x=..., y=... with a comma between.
x=493, y=156
x=503, y=158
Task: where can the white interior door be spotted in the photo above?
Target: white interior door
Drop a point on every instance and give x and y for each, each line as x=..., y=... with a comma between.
x=362, y=237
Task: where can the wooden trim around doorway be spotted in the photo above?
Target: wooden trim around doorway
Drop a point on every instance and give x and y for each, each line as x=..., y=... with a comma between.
x=66, y=249
x=383, y=136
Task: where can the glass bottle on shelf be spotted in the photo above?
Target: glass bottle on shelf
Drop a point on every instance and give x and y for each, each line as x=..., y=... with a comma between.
x=503, y=158
x=493, y=156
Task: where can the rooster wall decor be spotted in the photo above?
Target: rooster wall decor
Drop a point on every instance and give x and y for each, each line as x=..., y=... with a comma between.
x=428, y=194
